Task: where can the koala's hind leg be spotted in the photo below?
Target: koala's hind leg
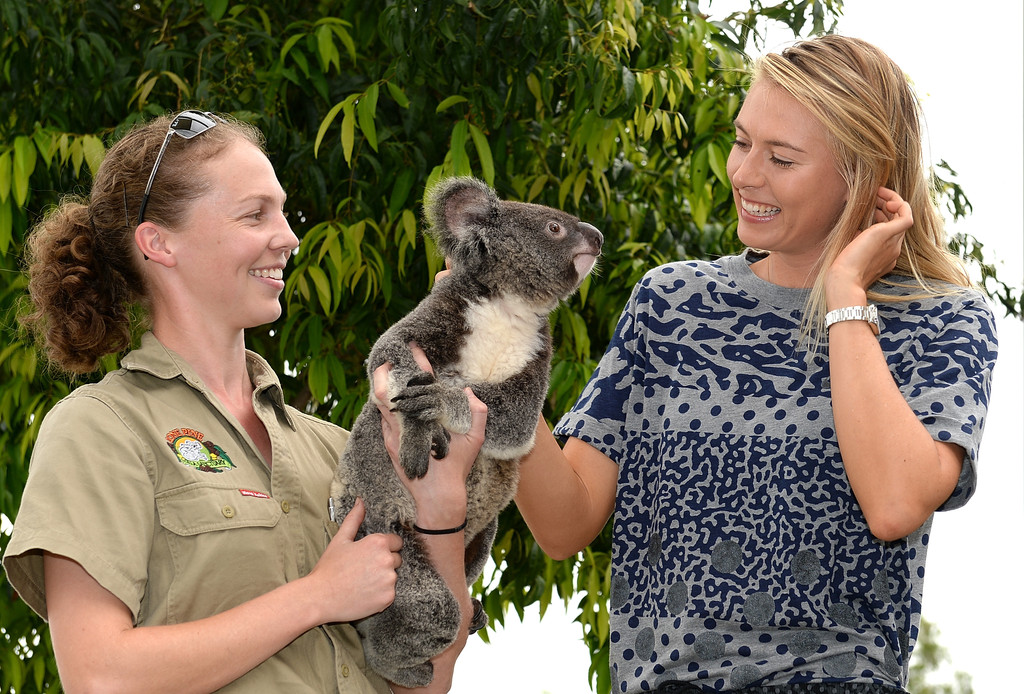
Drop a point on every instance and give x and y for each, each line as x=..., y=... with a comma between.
x=423, y=620
x=478, y=551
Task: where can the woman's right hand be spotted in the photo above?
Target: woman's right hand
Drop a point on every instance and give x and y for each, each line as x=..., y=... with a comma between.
x=356, y=578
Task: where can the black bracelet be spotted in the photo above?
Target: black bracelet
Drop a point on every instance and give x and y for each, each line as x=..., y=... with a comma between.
x=449, y=531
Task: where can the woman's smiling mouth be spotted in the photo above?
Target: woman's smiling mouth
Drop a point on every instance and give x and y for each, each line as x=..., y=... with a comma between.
x=274, y=273
x=756, y=209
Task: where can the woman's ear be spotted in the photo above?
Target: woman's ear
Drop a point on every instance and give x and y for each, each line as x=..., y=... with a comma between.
x=151, y=241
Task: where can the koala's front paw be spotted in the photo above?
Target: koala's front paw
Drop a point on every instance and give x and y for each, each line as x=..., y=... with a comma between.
x=431, y=401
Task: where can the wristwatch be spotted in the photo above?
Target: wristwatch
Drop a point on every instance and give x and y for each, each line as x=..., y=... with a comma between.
x=867, y=313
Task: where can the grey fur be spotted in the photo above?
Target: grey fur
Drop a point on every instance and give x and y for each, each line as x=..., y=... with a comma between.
x=512, y=263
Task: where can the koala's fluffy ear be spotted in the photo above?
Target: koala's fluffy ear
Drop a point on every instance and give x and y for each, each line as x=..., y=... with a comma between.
x=456, y=209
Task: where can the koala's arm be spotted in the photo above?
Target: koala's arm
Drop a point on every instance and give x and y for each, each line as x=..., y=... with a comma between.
x=393, y=347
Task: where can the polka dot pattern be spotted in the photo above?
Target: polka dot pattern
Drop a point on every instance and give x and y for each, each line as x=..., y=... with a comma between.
x=741, y=555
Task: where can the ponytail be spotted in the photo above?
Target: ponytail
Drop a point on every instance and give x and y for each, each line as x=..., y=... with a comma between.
x=82, y=284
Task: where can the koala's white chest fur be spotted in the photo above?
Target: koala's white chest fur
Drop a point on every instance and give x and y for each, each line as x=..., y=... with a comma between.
x=503, y=339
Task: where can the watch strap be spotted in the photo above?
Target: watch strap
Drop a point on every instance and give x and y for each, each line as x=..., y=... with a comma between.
x=867, y=313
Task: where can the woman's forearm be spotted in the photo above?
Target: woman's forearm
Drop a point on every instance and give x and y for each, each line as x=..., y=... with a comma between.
x=98, y=649
x=899, y=474
x=565, y=495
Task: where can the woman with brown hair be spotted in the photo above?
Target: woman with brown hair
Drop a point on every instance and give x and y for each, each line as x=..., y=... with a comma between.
x=774, y=430
x=174, y=526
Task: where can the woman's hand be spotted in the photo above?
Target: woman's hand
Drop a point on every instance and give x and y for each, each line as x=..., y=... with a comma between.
x=356, y=578
x=871, y=255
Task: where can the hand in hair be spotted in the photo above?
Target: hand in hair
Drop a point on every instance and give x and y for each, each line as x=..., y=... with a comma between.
x=872, y=254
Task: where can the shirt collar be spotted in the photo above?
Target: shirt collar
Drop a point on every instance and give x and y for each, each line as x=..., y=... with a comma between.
x=154, y=358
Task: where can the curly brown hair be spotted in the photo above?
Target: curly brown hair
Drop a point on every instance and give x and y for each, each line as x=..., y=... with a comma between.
x=84, y=268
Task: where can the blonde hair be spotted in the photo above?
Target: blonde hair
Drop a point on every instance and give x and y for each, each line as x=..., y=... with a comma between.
x=83, y=266
x=872, y=120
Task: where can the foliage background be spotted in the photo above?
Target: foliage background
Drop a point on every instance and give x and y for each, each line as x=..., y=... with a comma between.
x=619, y=111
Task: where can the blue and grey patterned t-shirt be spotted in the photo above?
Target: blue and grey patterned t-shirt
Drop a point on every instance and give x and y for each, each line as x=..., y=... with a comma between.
x=741, y=556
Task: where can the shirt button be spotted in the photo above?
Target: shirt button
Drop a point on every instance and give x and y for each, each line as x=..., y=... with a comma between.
x=344, y=671
x=285, y=506
x=228, y=512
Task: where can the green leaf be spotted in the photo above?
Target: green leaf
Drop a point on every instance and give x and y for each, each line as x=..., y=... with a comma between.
x=579, y=187
x=179, y=83
x=366, y=108
x=45, y=144
x=24, y=165
x=323, y=286
x=699, y=169
x=460, y=161
x=628, y=82
x=5, y=176
x=325, y=124
x=317, y=377
x=348, y=132
x=483, y=151
x=292, y=40
x=533, y=84
x=6, y=226
x=92, y=148
x=346, y=40
x=400, y=191
x=449, y=102
x=326, y=49
x=717, y=160
x=215, y=8
x=537, y=187
x=397, y=94
x=146, y=86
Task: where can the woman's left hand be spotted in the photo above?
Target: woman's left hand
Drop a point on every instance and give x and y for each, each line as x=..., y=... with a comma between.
x=872, y=254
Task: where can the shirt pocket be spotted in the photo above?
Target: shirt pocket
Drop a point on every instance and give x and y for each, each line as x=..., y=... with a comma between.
x=216, y=548
x=196, y=509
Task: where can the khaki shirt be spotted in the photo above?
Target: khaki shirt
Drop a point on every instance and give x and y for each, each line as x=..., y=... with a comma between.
x=159, y=493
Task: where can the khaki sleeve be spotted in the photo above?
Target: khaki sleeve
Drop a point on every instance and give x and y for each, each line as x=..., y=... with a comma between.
x=89, y=497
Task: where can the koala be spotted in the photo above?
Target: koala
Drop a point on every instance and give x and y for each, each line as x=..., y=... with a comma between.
x=485, y=325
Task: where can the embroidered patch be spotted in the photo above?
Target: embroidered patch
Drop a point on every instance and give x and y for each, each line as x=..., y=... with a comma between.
x=191, y=449
x=249, y=492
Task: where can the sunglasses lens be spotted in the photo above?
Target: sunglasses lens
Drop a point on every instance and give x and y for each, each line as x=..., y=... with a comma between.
x=188, y=124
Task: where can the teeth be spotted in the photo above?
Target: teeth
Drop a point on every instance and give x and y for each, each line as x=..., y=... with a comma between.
x=273, y=273
x=759, y=210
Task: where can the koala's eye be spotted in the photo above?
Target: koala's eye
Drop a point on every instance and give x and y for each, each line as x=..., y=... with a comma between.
x=556, y=229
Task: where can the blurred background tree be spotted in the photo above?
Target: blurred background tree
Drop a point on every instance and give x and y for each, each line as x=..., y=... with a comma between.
x=929, y=658
x=619, y=111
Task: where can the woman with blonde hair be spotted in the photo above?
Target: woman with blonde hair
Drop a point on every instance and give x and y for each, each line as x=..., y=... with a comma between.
x=174, y=528
x=774, y=430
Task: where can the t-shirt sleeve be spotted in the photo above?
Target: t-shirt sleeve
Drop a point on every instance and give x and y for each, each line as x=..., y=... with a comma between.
x=950, y=384
x=89, y=497
x=600, y=414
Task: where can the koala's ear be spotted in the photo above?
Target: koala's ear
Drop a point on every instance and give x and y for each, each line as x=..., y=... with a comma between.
x=457, y=208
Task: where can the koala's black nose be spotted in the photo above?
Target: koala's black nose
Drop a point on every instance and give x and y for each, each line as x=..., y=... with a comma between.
x=593, y=235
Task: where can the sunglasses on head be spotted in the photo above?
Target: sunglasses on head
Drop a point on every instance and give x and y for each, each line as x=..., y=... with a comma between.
x=188, y=124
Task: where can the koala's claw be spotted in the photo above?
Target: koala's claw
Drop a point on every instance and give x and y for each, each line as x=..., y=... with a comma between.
x=439, y=444
x=479, y=620
x=423, y=378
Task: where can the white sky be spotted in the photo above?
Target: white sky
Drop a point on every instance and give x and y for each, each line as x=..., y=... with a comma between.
x=966, y=62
